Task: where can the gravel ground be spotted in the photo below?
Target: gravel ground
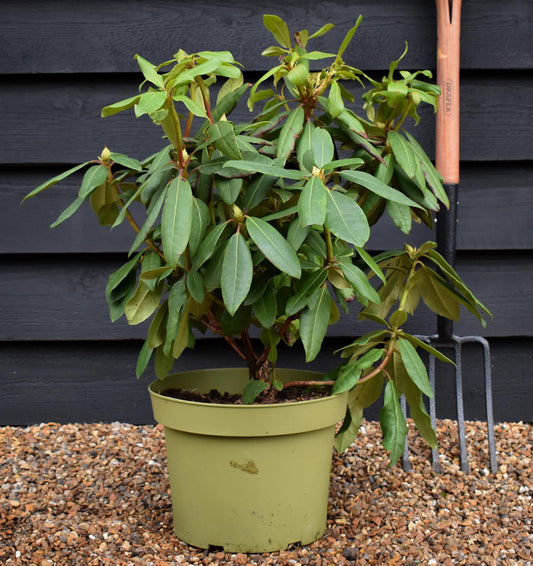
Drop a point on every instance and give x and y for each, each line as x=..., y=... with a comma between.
x=98, y=495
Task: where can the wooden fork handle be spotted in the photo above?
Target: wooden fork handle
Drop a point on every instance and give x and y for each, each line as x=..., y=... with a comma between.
x=448, y=49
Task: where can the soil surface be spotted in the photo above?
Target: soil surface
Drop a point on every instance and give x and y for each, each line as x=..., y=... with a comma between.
x=288, y=395
x=98, y=494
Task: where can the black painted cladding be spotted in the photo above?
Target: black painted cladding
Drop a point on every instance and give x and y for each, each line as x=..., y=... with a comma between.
x=60, y=62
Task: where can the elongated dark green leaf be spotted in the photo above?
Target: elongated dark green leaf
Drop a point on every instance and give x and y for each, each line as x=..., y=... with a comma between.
x=94, y=177
x=54, y=180
x=275, y=247
x=265, y=307
x=348, y=37
x=176, y=219
x=297, y=234
x=116, y=278
x=372, y=264
x=157, y=330
x=359, y=281
x=144, y=357
x=415, y=366
x=305, y=290
x=345, y=219
x=353, y=163
x=278, y=28
x=222, y=135
x=143, y=303
x=360, y=397
x=322, y=147
x=403, y=153
x=68, y=212
x=289, y=133
x=351, y=373
x=312, y=202
x=376, y=186
x=229, y=189
x=199, y=223
x=417, y=343
x=436, y=295
x=265, y=168
x=252, y=390
x=196, y=286
x=419, y=414
x=350, y=120
x=237, y=272
x=393, y=424
x=257, y=190
x=177, y=298
x=314, y=322
x=182, y=336
x=153, y=213
x=335, y=101
x=304, y=147
x=208, y=246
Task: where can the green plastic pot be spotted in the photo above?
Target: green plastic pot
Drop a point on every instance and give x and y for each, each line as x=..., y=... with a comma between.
x=247, y=478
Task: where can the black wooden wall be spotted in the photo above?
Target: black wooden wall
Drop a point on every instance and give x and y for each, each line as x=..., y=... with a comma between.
x=61, y=61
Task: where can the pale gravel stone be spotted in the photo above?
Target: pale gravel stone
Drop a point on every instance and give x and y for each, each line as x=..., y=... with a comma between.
x=98, y=494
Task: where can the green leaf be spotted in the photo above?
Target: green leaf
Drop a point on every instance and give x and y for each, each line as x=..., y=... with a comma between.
x=403, y=153
x=359, y=281
x=322, y=147
x=415, y=366
x=116, y=278
x=192, y=106
x=196, y=286
x=376, y=186
x=274, y=246
x=345, y=219
x=68, y=212
x=305, y=289
x=117, y=107
x=126, y=161
x=182, y=336
x=229, y=189
x=304, y=147
x=93, y=178
x=436, y=295
x=348, y=38
x=289, y=133
x=425, y=346
x=237, y=272
x=54, y=180
x=208, y=246
x=401, y=215
x=163, y=363
x=314, y=322
x=393, y=425
x=372, y=264
x=150, y=102
x=144, y=357
x=151, y=217
x=312, y=202
x=278, y=28
x=177, y=297
x=157, y=330
x=265, y=307
x=351, y=373
x=265, y=168
x=143, y=303
x=322, y=31
x=149, y=72
x=257, y=190
x=222, y=135
x=252, y=390
x=176, y=219
x=419, y=413
x=335, y=101
x=199, y=223
x=298, y=75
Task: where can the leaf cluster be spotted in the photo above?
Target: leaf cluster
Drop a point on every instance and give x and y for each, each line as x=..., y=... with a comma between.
x=264, y=223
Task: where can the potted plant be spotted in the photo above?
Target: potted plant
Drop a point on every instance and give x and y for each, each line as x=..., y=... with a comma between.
x=263, y=224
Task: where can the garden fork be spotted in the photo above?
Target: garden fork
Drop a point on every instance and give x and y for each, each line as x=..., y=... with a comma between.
x=447, y=163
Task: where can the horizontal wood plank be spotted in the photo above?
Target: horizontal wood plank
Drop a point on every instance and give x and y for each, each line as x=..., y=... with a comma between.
x=95, y=37
x=490, y=197
x=95, y=381
x=62, y=298
x=58, y=121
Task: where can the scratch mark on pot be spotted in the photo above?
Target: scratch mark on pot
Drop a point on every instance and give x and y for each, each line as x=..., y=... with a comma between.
x=249, y=467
